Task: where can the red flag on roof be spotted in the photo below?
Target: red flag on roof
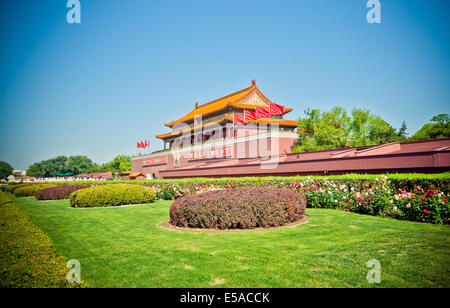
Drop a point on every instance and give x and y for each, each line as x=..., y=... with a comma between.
x=138, y=145
x=249, y=115
x=142, y=145
x=148, y=142
x=238, y=119
x=262, y=113
x=276, y=109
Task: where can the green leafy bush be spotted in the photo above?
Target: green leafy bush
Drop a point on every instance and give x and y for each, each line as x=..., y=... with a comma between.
x=112, y=195
x=30, y=190
x=239, y=208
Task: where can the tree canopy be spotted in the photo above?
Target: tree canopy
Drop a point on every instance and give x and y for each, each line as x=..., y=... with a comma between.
x=119, y=164
x=60, y=165
x=335, y=128
x=438, y=128
x=5, y=169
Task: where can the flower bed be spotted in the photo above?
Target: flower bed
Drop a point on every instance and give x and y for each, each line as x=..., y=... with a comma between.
x=415, y=199
x=30, y=190
x=239, y=208
x=59, y=192
x=112, y=195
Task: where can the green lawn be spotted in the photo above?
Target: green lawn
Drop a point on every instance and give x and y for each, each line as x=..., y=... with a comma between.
x=125, y=247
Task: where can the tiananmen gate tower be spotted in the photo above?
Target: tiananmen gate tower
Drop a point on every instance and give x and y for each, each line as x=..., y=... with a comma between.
x=246, y=134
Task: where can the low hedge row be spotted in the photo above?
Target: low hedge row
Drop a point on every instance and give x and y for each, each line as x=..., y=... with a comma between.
x=112, y=195
x=30, y=190
x=239, y=208
x=10, y=188
x=59, y=192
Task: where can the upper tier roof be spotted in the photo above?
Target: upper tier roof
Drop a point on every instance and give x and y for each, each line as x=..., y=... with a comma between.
x=236, y=99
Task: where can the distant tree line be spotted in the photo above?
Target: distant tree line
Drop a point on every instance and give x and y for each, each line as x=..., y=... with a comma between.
x=321, y=130
x=5, y=169
x=75, y=165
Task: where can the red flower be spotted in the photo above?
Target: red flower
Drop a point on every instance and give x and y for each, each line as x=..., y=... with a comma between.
x=426, y=199
x=365, y=202
x=425, y=211
x=369, y=199
x=444, y=199
x=367, y=186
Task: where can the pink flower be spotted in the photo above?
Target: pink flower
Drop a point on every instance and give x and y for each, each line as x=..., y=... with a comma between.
x=408, y=205
x=395, y=208
x=425, y=211
x=367, y=186
x=419, y=187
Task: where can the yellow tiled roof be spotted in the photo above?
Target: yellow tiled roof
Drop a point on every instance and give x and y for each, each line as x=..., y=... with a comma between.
x=230, y=118
x=190, y=129
x=223, y=102
x=134, y=175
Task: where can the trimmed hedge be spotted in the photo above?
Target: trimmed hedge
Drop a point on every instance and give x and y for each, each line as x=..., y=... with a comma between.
x=30, y=190
x=112, y=195
x=28, y=257
x=59, y=192
x=239, y=208
x=13, y=187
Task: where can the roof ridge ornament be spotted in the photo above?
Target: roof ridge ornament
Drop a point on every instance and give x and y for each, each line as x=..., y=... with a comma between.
x=196, y=105
x=253, y=82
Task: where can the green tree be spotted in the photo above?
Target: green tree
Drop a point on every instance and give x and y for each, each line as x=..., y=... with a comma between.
x=5, y=169
x=402, y=132
x=35, y=170
x=119, y=164
x=438, y=128
x=323, y=130
x=336, y=129
x=79, y=164
x=380, y=131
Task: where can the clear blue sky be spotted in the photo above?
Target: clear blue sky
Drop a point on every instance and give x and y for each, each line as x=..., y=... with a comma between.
x=97, y=87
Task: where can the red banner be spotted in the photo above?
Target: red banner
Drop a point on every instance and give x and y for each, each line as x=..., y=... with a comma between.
x=238, y=119
x=210, y=153
x=155, y=161
x=249, y=115
x=262, y=113
x=276, y=109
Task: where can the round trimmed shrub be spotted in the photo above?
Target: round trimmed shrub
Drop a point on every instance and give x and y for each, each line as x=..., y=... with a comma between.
x=238, y=208
x=30, y=190
x=112, y=195
x=59, y=192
